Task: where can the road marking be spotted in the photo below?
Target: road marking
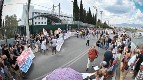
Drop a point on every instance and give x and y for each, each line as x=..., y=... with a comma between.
x=66, y=65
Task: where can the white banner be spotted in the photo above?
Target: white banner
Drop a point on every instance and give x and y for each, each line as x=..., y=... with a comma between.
x=44, y=32
x=60, y=40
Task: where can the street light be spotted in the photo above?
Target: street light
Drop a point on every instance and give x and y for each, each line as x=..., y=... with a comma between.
x=96, y=13
x=101, y=12
x=73, y=11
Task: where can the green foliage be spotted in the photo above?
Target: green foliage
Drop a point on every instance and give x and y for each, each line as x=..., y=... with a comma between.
x=75, y=11
x=81, y=12
x=11, y=24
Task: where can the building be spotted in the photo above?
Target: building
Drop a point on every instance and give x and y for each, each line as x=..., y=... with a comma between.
x=42, y=20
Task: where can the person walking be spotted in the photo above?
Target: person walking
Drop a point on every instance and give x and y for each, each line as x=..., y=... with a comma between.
x=43, y=46
x=92, y=55
x=87, y=40
x=54, y=44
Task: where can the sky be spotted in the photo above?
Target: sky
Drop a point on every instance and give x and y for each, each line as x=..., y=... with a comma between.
x=114, y=11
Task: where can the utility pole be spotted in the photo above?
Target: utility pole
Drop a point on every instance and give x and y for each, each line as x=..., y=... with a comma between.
x=1, y=8
x=101, y=12
x=73, y=12
x=53, y=8
x=96, y=13
x=27, y=19
x=59, y=9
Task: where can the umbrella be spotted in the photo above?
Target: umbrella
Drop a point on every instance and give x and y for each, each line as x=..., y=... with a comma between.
x=64, y=74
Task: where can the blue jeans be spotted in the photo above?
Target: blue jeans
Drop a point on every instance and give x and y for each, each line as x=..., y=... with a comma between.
x=106, y=45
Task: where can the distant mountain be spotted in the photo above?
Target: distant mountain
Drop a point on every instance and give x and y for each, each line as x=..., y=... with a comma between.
x=128, y=25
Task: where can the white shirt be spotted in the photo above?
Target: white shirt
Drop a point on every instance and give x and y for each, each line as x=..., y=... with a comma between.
x=54, y=42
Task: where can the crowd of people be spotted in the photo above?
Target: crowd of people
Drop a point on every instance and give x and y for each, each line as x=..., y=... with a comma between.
x=41, y=42
x=118, y=50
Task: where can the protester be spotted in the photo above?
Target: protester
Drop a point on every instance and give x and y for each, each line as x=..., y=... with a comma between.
x=54, y=44
x=43, y=46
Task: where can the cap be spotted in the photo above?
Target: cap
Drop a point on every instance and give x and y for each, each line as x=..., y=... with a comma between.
x=103, y=63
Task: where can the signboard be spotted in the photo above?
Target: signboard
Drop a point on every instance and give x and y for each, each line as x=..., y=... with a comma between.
x=25, y=60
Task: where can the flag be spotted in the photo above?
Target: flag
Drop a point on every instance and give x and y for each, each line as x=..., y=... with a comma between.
x=44, y=32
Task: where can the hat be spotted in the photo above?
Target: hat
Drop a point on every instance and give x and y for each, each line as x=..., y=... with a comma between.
x=142, y=64
x=96, y=68
x=103, y=63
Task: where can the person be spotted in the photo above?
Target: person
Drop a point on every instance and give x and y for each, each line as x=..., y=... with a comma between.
x=138, y=62
x=54, y=44
x=77, y=34
x=99, y=75
x=15, y=67
x=107, y=41
x=98, y=44
x=87, y=40
x=142, y=50
x=140, y=35
x=92, y=55
x=140, y=73
x=43, y=46
x=108, y=56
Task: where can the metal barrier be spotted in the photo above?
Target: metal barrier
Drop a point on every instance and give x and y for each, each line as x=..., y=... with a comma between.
x=7, y=41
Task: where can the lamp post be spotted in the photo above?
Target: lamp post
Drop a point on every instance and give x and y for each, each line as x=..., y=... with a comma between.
x=73, y=11
x=1, y=8
x=101, y=12
x=96, y=13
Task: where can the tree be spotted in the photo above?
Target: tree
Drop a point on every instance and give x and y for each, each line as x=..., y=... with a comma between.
x=81, y=11
x=11, y=24
x=99, y=23
x=75, y=10
x=89, y=17
x=84, y=15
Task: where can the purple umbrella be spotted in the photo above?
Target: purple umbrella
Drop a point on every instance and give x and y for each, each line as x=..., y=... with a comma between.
x=64, y=74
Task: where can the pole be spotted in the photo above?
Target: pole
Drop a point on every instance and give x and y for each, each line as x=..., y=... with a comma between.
x=53, y=8
x=59, y=10
x=1, y=8
x=27, y=20
x=101, y=16
x=96, y=17
x=96, y=14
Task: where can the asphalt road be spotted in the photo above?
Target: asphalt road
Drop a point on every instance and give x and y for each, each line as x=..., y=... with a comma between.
x=73, y=54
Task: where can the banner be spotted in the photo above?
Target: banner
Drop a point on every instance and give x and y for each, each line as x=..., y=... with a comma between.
x=44, y=32
x=60, y=40
x=25, y=60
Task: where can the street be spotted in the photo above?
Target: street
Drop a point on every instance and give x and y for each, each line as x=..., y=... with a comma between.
x=73, y=54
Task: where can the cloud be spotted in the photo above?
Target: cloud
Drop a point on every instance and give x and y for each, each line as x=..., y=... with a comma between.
x=140, y=2
x=139, y=14
x=13, y=7
x=116, y=11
